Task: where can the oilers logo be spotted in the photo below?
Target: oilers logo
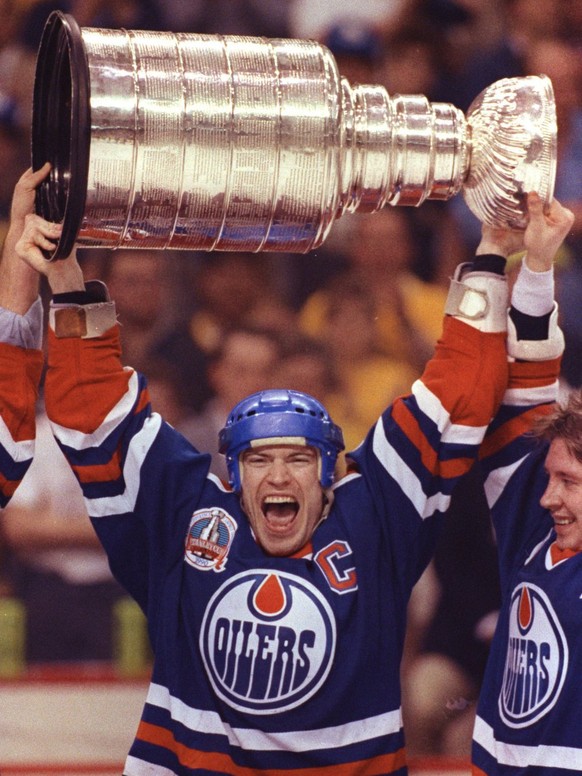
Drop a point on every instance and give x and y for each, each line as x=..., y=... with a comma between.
x=267, y=641
x=537, y=658
x=209, y=538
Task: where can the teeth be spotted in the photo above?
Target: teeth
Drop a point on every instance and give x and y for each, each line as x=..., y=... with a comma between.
x=278, y=500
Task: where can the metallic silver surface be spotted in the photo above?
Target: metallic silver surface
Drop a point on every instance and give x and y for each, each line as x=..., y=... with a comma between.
x=236, y=143
x=513, y=149
x=211, y=143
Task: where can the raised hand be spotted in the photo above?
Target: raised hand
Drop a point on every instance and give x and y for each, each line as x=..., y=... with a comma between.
x=24, y=193
x=18, y=282
x=545, y=232
x=37, y=235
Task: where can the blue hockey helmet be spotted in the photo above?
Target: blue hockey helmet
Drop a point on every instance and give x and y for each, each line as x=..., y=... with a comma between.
x=276, y=415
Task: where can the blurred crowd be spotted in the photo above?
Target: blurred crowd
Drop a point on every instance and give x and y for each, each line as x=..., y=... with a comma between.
x=352, y=323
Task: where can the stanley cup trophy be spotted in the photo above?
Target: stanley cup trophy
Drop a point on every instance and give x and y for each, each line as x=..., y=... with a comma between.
x=206, y=142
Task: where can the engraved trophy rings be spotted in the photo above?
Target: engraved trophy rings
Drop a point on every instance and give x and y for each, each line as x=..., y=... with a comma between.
x=206, y=142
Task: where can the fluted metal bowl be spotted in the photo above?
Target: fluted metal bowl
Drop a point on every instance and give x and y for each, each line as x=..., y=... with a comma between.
x=513, y=139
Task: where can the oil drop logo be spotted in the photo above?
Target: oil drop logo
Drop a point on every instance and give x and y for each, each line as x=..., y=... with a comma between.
x=537, y=658
x=268, y=641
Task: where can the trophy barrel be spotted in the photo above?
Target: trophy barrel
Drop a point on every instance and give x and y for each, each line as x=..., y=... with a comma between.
x=187, y=141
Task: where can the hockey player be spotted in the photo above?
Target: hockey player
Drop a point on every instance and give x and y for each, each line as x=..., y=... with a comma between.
x=276, y=605
x=526, y=717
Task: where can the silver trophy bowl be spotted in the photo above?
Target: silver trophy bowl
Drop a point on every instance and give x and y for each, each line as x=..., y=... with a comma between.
x=205, y=142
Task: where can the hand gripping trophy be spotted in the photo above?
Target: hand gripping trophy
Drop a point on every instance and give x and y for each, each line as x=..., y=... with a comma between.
x=206, y=142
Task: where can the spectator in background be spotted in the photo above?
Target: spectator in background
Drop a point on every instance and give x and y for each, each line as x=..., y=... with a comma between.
x=571, y=23
x=413, y=65
x=315, y=18
x=112, y=14
x=246, y=361
x=408, y=323
x=145, y=285
x=230, y=289
x=455, y=31
x=14, y=152
x=366, y=376
x=6, y=571
x=307, y=365
x=169, y=392
x=17, y=65
x=562, y=63
x=357, y=48
x=225, y=17
x=116, y=14
x=410, y=63
x=504, y=56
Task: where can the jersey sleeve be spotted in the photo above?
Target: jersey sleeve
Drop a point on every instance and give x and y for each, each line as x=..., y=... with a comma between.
x=421, y=446
x=20, y=371
x=132, y=467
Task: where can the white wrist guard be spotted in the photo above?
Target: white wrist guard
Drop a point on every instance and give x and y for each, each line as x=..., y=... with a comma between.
x=536, y=350
x=86, y=321
x=480, y=299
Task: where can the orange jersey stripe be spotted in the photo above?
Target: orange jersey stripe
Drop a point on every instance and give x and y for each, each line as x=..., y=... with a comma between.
x=222, y=763
x=477, y=771
x=512, y=430
x=8, y=487
x=105, y=472
x=143, y=401
x=528, y=374
x=409, y=425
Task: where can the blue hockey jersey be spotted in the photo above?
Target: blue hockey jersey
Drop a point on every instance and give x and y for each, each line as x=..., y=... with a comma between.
x=527, y=715
x=269, y=665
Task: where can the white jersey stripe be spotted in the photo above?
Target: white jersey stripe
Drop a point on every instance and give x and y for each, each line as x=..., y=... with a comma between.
x=498, y=479
x=431, y=406
x=137, y=767
x=18, y=451
x=522, y=397
x=208, y=722
x=518, y=755
x=136, y=452
x=406, y=478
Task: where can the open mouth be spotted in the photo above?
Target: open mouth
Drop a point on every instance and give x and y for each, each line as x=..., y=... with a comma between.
x=280, y=512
